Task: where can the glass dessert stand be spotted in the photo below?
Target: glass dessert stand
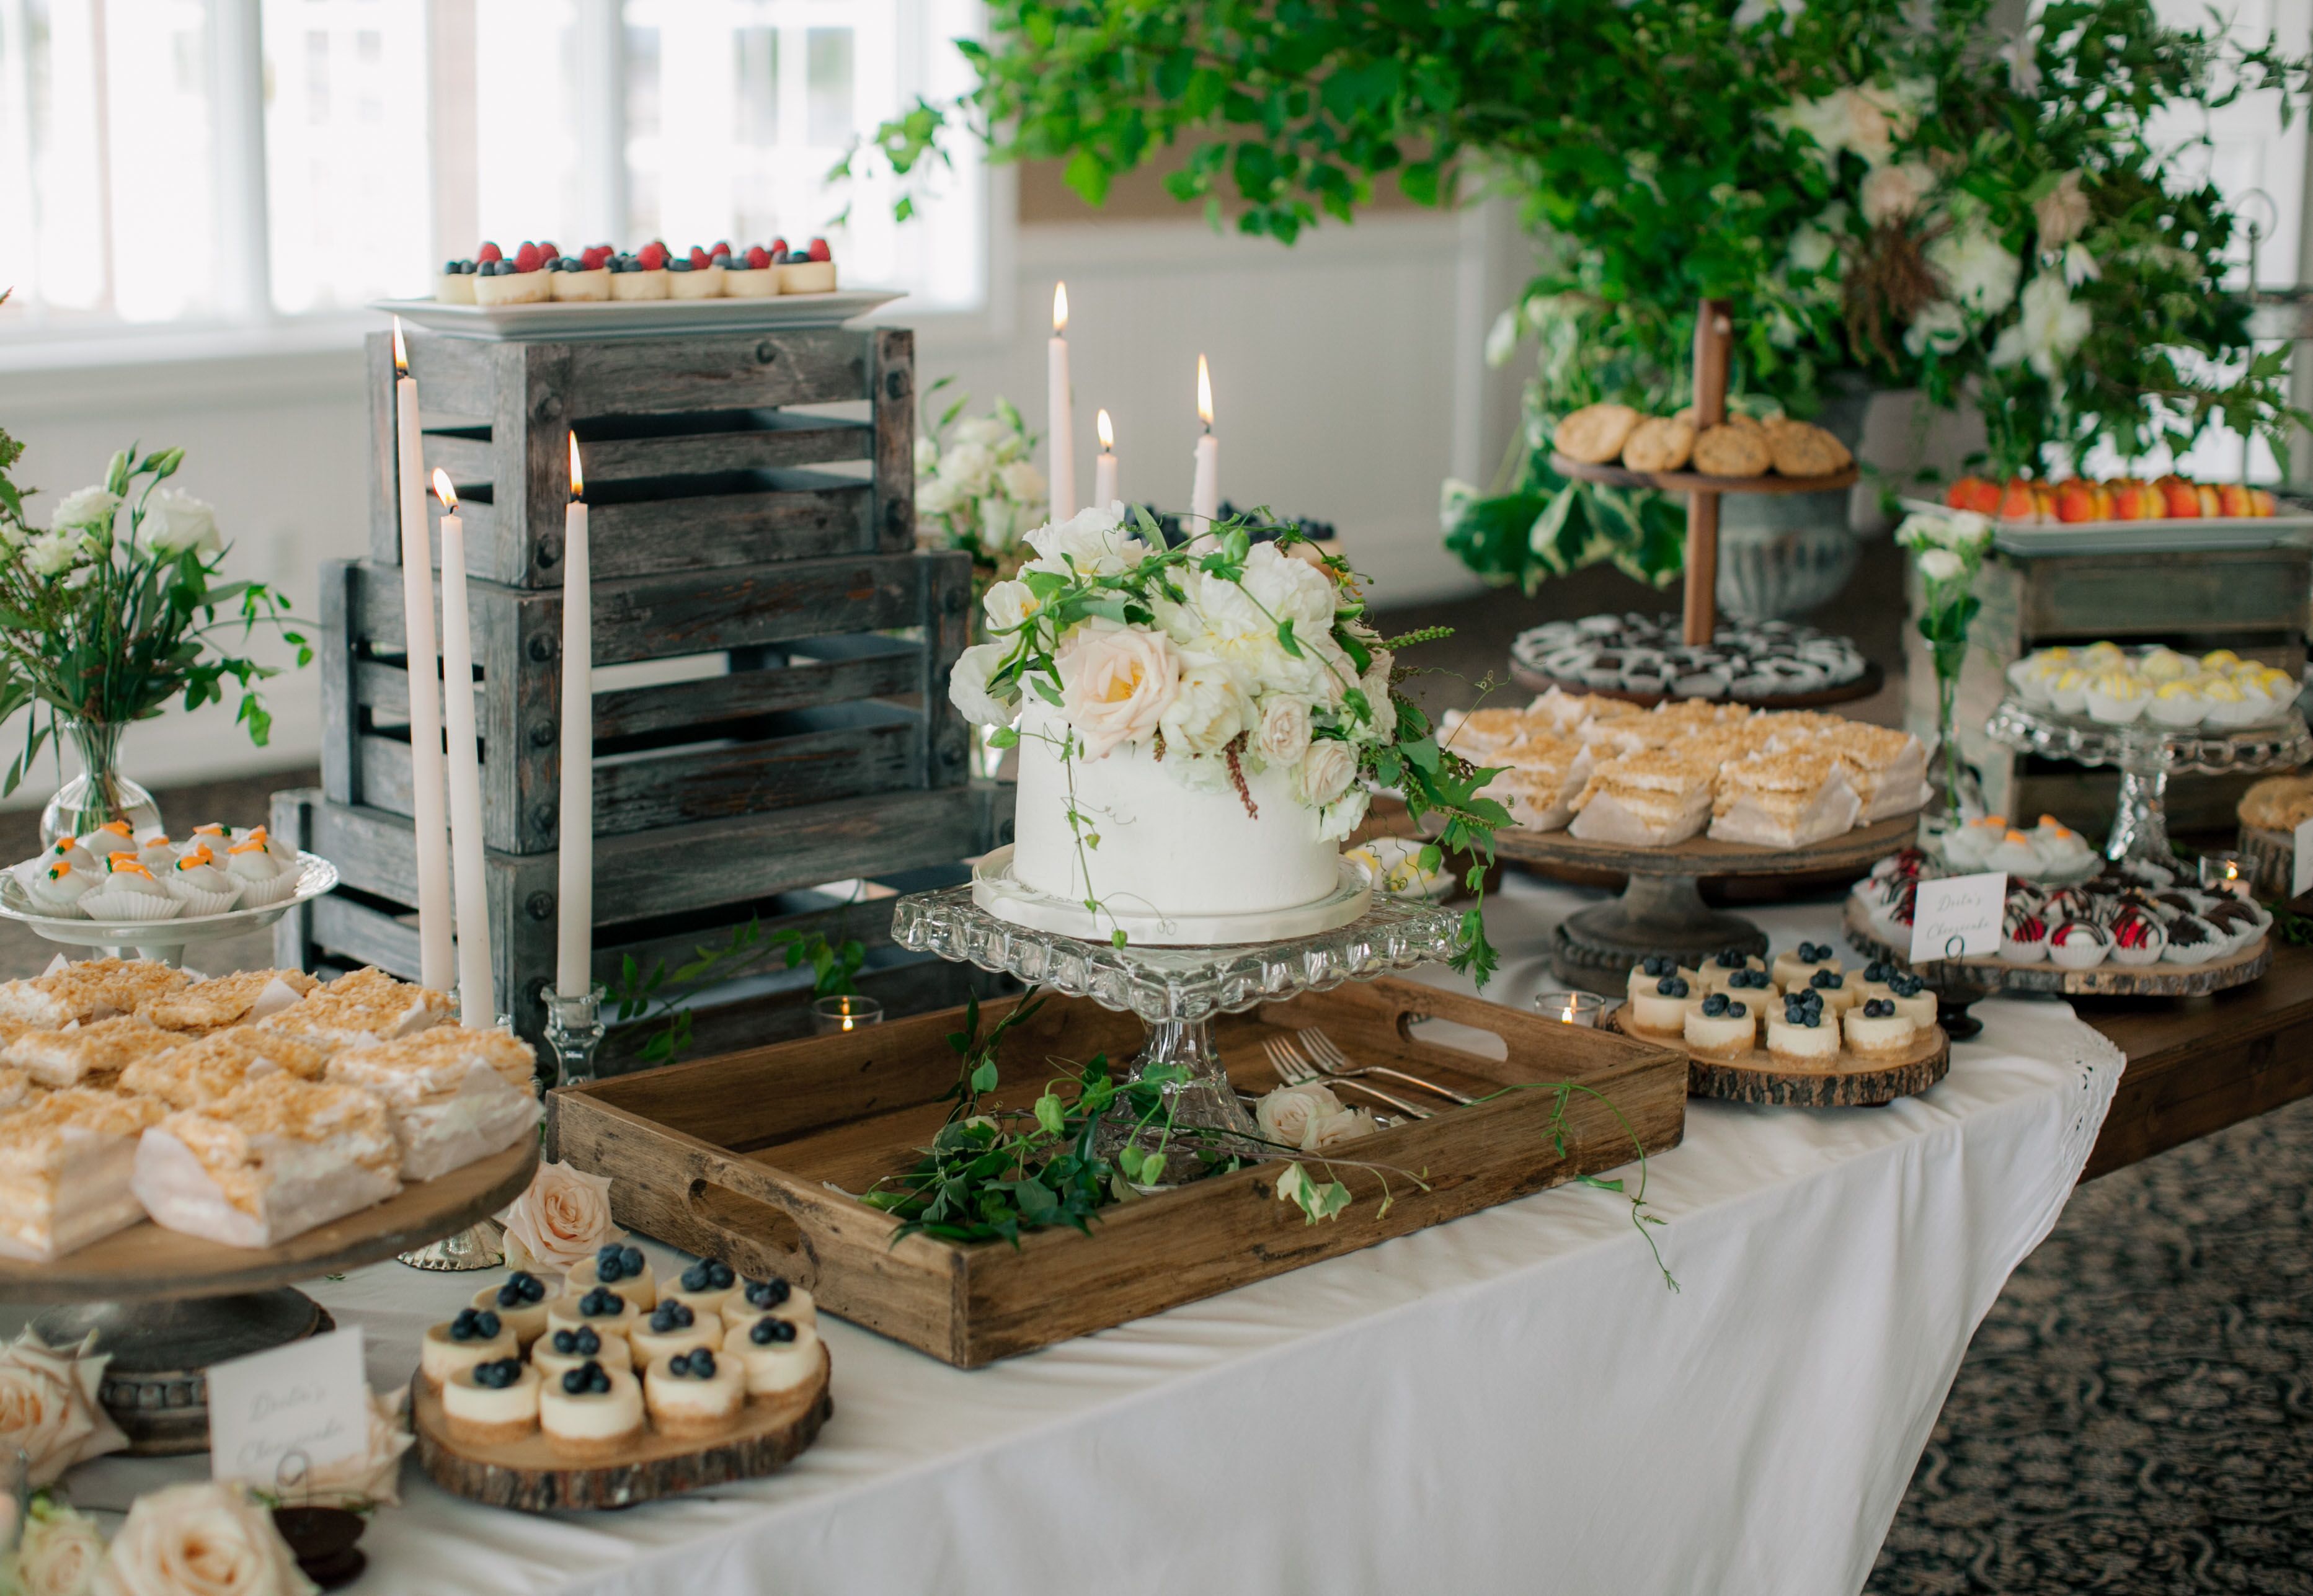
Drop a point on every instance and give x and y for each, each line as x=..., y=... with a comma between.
x=1177, y=992
x=167, y=1305
x=2147, y=756
x=165, y=941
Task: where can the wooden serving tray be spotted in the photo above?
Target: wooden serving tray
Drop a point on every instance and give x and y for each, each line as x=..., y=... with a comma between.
x=529, y=1475
x=1850, y=1081
x=749, y=1157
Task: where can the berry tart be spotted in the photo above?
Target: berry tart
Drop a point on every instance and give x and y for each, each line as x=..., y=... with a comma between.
x=521, y=281
x=583, y=277
x=455, y=284
x=808, y=271
x=492, y=1403
x=642, y=275
x=476, y=1335
x=695, y=1394
x=754, y=274
x=696, y=276
x=591, y=1412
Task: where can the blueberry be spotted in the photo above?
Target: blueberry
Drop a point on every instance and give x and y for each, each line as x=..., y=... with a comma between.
x=521, y=1287
x=1671, y=986
x=670, y=1316
x=474, y=1325
x=609, y=1264
x=1715, y=1004
x=574, y=1381
x=768, y=1293
x=708, y=1274
x=1904, y=986
x=702, y=1365
x=678, y=1364
x=499, y=1374
x=1655, y=964
x=1733, y=959
x=678, y=266
x=767, y=1331
x=449, y=268
x=566, y=1344
x=597, y=1380
x=1828, y=980
x=602, y=1303
x=1735, y=1011
x=1879, y=970
x=798, y=257
x=720, y=1275
x=486, y=1324
x=630, y=1258
x=589, y=1343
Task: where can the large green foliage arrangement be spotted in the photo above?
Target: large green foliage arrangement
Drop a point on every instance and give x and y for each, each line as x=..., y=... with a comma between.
x=1886, y=188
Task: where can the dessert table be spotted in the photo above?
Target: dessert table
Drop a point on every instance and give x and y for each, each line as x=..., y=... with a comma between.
x=1510, y=1401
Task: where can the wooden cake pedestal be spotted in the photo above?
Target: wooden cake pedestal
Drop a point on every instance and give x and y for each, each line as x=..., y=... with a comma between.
x=1850, y=1081
x=166, y=1305
x=530, y=1475
x=1661, y=908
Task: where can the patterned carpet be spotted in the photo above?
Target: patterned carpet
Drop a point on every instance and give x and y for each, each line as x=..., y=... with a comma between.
x=2136, y=1413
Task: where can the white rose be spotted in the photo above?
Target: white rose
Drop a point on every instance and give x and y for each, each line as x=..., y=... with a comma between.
x=1326, y=771
x=970, y=468
x=175, y=521
x=373, y=1475
x=1208, y=710
x=1116, y=684
x=1288, y=1114
x=89, y=507
x=1375, y=685
x=561, y=1217
x=926, y=457
x=1338, y=819
x=1284, y=733
x=1008, y=604
x=1333, y=1129
x=1941, y=565
x=59, y=1554
x=1024, y=484
x=1979, y=271
x=1893, y=193
x=48, y=1409
x=967, y=686
x=53, y=552
x=204, y=1540
x=1093, y=541
x=983, y=431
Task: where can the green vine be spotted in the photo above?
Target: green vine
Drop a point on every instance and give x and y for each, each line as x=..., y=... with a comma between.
x=662, y=998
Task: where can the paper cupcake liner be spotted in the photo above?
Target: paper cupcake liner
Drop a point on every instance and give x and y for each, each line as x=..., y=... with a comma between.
x=197, y=904
x=264, y=894
x=55, y=910
x=129, y=905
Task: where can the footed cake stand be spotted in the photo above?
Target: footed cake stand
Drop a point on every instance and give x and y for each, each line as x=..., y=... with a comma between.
x=1178, y=991
x=162, y=940
x=2147, y=756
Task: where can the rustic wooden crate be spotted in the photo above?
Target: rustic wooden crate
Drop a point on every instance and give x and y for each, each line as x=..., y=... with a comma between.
x=694, y=456
x=734, y=1157
x=819, y=700
x=657, y=895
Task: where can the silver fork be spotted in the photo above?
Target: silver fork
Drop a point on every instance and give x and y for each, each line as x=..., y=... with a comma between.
x=1329, y=1060
x=1295, y=1070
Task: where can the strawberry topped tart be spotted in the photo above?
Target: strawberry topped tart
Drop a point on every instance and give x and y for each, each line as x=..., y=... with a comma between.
x=538, y=271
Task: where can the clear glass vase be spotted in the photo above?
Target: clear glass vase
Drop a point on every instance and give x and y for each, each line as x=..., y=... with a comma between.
x=1955, y=787
x=100, y=792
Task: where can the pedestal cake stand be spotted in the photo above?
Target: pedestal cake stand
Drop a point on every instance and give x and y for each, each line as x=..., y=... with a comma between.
x=1661, y=908
x=2147, y=756
x=1178, y=991
x=163, y=940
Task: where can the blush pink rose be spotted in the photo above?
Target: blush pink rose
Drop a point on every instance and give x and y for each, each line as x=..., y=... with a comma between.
x=1116, y=684
x=561, y=1217
x=48, y=1409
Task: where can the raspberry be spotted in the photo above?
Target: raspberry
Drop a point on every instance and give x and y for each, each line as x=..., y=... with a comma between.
x=527, y=258
x=488, y=252
x=779, y=248
x=721, y=247
x=819, y=251
x=698, y=258
x=653, y=256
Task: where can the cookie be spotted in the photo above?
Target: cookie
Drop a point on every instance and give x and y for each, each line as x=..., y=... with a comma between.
x=1800, y=450
x=1732, y=451
x=1734, y=418
x=1659, y=445
x=1595, y=433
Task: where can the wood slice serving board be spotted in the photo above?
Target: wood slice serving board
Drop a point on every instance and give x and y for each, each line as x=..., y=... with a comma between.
x=1991, y=973
x=530, y=1475
x=1850, y=1081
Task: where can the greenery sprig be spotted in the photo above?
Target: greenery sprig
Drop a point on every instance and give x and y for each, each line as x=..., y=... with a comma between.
x=663, y=998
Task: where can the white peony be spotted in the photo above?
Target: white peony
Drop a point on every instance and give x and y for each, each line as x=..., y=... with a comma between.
x=1289, y=589
x=983, y=431
x=1116, y=684
x=1283, y=736
x=53, y=552
x=1007, y=605
x=926, y=457
x=207, y=1538
x=1023, y=483
x=1941, y=565
x=58, y=1556
x=970, y=467
x=1091, y=542
x=1208, y=710
x=88, y=507
x=1938, y=327
x=175, y=521
x=938, y=497
x=967, y=686
x=1980, y=273
x=1326, y=771
x=1290, y=1113
x=1896, y=193
x=2051, y=327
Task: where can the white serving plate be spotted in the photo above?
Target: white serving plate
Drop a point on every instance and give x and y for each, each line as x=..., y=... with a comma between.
x=315, y=876
x=567, y=320
x=2185, y=535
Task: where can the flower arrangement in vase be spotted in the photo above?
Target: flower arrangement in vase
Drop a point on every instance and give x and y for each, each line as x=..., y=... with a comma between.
x=977, y=489
x=115, y=610
x=1222, y=655
x=1947, y=551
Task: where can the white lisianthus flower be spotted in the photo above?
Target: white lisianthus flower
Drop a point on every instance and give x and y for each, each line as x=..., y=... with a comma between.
x=1326, y=771
x=1093, y=540
x=53, y=553
x=1825, y=120
x=1283, y=736
x=89, y=507
x=1980, y=273
x=2051, y=327
x=1208, y=710
x=1008, y=604
x=1023, y=482
x=967, y=686
x=971, y=466
x=982, y=432
x=12, y=532
x=1938, y=327
x=175, y=521
x=1941, y=565
x=1964, y=531
x=928, y=456
x=1116, y=683
x=1895, y=193
x=2021, y=56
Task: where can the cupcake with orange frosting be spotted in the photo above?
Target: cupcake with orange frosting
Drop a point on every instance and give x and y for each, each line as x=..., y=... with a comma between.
x=263, y=881
x=129, y=891
x=56, y=888
x=197, y=881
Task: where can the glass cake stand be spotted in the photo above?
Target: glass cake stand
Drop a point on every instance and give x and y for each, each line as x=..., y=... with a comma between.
x=1178, y=991
x=2147, y=756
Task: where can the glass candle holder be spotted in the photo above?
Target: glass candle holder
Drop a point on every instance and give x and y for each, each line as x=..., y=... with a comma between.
x=573, y=1030
x=1571, y=1008
x=2226, y=872
x=844, y=1011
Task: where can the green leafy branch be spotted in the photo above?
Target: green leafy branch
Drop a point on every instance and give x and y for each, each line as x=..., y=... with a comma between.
x=663, y=998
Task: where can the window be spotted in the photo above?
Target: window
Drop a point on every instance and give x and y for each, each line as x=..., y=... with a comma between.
x=229, y=161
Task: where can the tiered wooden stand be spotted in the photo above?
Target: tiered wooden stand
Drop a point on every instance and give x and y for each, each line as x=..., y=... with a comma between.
x=771, y=653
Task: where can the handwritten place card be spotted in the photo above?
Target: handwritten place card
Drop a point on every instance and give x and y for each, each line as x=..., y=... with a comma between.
x=1958, y=916
x=2300, y=869
x=276, y=1416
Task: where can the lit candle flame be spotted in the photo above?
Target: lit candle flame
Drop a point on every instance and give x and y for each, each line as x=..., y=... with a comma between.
x=1204, y=394
x=578, y=478
x=847, y=1023
x=444, y=492
x=1107, y=433
x=1059, y=308
x=400, y=351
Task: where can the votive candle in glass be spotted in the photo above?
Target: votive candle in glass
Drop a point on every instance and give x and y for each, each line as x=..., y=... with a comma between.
x=1571, y=1008
x=2226, y=872
x=844, y=1011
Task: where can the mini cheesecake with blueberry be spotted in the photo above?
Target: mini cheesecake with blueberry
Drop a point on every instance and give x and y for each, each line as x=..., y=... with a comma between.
x=592, y=1411
x=1838, y=992
x=1793, y=969
x=477, y=1335
x=1723, y=966
x=695, y=1393
x=520, y=1302
x=1802, y=1033
x=1876, y=1026
x=808, y=271
x=521, y=281
x=777, y=1354
x=1663, y=1008
x=672, y=1327
x=1721, y=1025
x=756, y=1298
x=622, y=1266
x=559, y=1351
x=492, y=1404
x=1911, y=996
x=754, y=274
x=1654, y=967
x=704, y=1287
x=642, y=275
x=598, y=1308
x=583, y=277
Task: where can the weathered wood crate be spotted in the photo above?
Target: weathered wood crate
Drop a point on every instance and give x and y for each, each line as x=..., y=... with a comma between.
x=771, y=650
x=748, y=1158
x=2253, y=601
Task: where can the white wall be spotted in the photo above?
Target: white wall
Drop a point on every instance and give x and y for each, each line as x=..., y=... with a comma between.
x=1346, y=376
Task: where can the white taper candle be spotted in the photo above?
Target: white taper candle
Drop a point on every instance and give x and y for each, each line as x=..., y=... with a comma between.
x=1104, y=468
x=1205, y=487
x=1059, y=420
x=477, y=1001
x=574, y=939
x=435, y=967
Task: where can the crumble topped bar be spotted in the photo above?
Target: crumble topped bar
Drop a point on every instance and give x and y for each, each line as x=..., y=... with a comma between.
x=362, y=1009
x=274, y=1158
x=205, y=1071
x=99, y=1051
x=228, y=1000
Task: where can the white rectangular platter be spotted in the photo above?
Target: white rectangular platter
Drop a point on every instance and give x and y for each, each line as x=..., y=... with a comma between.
x=565, y=321
x=2184, y=535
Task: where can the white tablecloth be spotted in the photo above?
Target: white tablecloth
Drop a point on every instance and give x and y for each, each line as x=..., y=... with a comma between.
x=1512, y=1402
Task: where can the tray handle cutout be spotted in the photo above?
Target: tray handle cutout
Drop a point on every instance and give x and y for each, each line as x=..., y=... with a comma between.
x=760, y=1237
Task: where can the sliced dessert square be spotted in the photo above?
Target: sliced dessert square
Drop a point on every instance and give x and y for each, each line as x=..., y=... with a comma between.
x=253, y=994
x=1782, y=800
x=66, y=1164
x=1650, y=799
x=95, y=1052
x=456, y=1094
x=1887, y=768
x=362, y=1009
x=213, y=1067
x=269, y=1161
